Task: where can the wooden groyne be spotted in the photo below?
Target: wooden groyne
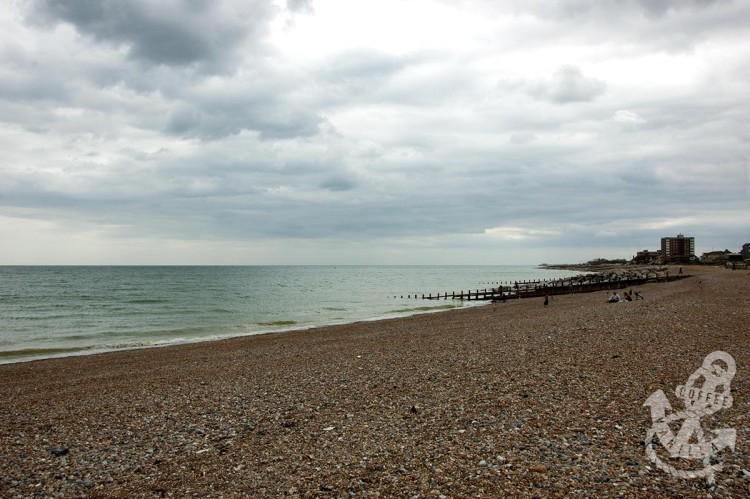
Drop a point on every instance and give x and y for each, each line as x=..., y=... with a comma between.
x=532, y=289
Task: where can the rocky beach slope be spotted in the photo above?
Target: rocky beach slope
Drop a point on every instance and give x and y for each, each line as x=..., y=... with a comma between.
x=510, y=399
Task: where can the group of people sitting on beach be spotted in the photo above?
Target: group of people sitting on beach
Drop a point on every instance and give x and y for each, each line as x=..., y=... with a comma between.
x=627, y=296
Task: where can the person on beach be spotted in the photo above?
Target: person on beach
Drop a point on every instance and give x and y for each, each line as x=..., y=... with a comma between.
x=615, y=298
x=638, y=295
x=628, y=296
x=546, y=301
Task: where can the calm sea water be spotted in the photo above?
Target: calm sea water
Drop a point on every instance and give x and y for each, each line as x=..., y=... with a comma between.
x=53, y=311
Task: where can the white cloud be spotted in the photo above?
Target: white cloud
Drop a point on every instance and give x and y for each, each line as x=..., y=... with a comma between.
x=625, y=116
x=569, y=85
x=519, y=233
x=566, y=85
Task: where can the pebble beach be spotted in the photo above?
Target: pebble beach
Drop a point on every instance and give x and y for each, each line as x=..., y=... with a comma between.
x=506, y=399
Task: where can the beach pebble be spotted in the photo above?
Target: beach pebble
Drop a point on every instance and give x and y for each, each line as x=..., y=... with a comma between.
x=438, y=410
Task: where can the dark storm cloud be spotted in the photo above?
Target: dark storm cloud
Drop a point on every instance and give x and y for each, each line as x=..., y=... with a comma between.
x=175, y=32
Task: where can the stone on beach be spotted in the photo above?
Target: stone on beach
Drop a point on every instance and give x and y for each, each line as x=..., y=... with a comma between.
x=460, y=403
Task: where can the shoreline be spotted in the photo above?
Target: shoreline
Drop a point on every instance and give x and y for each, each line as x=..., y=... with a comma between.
x=95, y=350
x=102, y=321
x=505, y=399
x=607, y=267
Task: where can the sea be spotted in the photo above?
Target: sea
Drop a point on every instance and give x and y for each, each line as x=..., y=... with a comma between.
x=53, y=311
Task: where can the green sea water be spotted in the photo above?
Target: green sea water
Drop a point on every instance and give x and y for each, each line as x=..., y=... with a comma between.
x=48, y=311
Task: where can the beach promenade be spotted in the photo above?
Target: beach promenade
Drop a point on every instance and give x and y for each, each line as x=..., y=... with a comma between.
x=507, y=399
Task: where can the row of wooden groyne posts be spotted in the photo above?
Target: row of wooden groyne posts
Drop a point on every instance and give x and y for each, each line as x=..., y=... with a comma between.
x=545, y=287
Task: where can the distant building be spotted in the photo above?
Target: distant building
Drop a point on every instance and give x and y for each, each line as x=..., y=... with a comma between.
x=678, y=249
x=715, y=257
x=746, y=252
x=734, y=258
x=646, y=257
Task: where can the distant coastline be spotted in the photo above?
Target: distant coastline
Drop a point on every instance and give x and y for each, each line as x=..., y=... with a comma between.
x=602, y=267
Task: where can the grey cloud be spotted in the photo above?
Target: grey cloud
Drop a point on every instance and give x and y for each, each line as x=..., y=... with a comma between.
x=660, y=7
x=338, y=184
x=176, y=33
x=422, y=146
x=300, y=6
x=522, y=138
x=25, y=76
x=370, y=76
x=595, y=8
x=240, y=205
x=290, y=125
x=362, y=64
x=27, y=87
x=569, y=85
x=641, y=178
x=357, y=75
x=670, y=25
x=271, y=122
x=185, y=120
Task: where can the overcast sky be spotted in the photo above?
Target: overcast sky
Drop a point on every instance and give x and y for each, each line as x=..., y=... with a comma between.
x=385, y=132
